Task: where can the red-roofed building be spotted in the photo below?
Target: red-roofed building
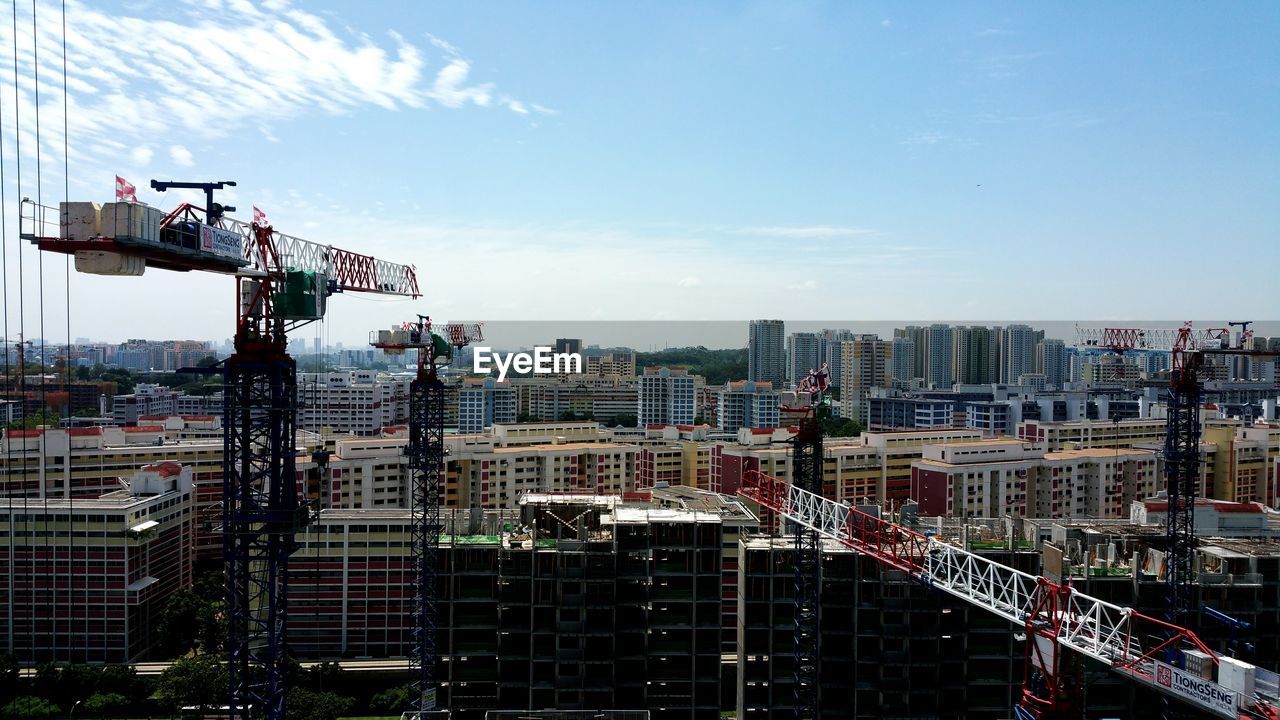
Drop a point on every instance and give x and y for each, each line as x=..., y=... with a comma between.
x=1213, y=518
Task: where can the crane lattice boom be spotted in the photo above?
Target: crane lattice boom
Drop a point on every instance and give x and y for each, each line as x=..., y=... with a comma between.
x=230, y=246
x=1126, y=640
x=1185, y=338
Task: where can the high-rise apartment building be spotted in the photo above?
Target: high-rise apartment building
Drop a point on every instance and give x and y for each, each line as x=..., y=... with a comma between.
x=1000, y=477
x=615, y=363
x=484, y=403
x=606, y=398
x=748, y=404
x=916, y=334
x=359, y=402
x=1019, y=352
x=1052, y=362
x=902, y=361
x=146, y=399
x=938, y=349
x=804, y=353
x=976, y=355
x=666, y=397
x=766, y=354
x=831, y=340
x=86, y=579
x=865, y=363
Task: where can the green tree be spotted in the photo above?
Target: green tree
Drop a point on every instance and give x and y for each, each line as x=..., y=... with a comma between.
x=209, y=583
x=325, y=676
x=213, y=630
x=717, y=366
x=304, y=704
x=391, y=701
x=28, y=708
x=36, y=419
x=179, y=627
x=124, y=679
x=200, y=680
x=75, y=682
x=44, y=683
x=8, y=679
x=840, y=427
x=624, y=419
x=106, y=705
x=207, y=361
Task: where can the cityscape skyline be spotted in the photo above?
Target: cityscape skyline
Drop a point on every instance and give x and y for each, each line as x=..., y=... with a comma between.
x=968, y=164
x=467, y=360
x=715, y=335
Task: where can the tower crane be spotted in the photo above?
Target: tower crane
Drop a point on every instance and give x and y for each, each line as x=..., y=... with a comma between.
x=426, y=463
x=1056, y=617
x=1188, y=347
x=806, y=464
x=20, y=348
x=282, y=283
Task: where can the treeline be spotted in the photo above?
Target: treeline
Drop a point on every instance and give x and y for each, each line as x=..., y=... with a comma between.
x=321, y=692
x=717, y=366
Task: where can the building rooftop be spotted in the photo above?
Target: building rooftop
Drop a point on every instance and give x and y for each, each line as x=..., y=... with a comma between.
x=1102, y=453
x=927, y=463
x=114, y=500
x=556, y=447
x=1237, y=547
x=688, y=498
x=643, y=515
x=763, y=542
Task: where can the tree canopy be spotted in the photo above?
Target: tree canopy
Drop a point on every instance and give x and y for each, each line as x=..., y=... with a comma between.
x=717, y=366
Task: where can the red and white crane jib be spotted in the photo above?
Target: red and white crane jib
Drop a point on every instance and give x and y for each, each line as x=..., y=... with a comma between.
x=270, y=251
x=1184, y=338
x=182, y=240
x=1127, y=641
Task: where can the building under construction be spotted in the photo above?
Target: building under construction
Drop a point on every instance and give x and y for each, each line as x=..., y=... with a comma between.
x=574, y=602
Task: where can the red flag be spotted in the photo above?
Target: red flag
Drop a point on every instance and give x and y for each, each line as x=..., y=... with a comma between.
x=260, y=218
x=124, y=191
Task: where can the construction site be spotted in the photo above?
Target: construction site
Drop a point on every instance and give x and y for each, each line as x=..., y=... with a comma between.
x=770, y=600
x=675, y=601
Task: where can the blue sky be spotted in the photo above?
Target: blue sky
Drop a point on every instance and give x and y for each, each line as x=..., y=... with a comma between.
x=843, y=161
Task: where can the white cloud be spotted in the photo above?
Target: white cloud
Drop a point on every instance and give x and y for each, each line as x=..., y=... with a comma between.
x=450, y=88
x=181, y=155
x=222, y=66
x=886, y=22
x=806, y=285
x=141, y=155
x=811, y=231
x=928, y=138
x=689, y=282
x=444, y=45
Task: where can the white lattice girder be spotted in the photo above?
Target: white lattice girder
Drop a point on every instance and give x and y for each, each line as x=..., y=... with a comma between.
x=1154, y=339
x=1096, y=628
x=351, y=271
